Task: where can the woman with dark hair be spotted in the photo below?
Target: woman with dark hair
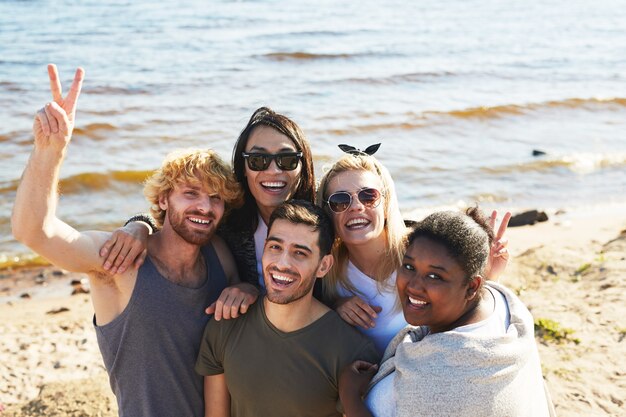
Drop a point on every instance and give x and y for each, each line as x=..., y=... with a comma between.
x=272, y=161
x=469, y=348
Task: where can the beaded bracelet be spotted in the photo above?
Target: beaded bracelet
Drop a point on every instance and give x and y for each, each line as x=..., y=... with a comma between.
x=146, y=218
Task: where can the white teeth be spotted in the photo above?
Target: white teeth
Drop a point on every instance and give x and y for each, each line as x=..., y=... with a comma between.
x=357, y=221
x=274, y=184
x=417, y=302
x=282, y=278
x=199, y=221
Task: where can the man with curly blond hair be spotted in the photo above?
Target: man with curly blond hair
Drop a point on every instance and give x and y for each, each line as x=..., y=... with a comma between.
x=149, y=321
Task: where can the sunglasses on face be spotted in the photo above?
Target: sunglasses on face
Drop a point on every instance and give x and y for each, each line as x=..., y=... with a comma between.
x=342, y=200
x=286, y=161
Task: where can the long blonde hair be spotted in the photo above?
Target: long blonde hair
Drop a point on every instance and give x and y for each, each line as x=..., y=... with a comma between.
x=394, y=228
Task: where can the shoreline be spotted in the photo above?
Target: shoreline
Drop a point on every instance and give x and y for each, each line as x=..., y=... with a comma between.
x=570, y=271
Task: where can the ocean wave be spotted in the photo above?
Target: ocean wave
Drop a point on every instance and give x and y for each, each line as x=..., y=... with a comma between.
x=494, y=112
x=360, y=122
x=113, y=111
x=304, y=56
x=93, y=129
x=12, y=87
x=415, y=77
x=579, y=163
x=100, y=181
x=375, y=127
x=318, y=33
x=10, y=261
x=88, y=181
x=111, y=90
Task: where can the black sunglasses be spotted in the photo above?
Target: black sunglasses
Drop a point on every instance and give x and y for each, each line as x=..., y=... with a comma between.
x=342, y=200
x=287, y=161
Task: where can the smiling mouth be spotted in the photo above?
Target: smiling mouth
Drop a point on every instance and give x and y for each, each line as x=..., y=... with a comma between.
x=359, y=223
x=414, y=302
x=274, y=185
x=199, y=221
x=281, y=280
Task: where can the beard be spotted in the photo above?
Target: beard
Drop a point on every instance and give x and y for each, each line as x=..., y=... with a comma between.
x=190, y=235
x=283, y=297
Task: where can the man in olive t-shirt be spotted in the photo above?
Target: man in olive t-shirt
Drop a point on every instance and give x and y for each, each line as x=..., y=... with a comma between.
x=283, y=357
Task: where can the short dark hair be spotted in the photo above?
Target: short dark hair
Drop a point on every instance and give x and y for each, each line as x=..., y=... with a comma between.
x=264, y=116
x=305, y=212
x=466, y=236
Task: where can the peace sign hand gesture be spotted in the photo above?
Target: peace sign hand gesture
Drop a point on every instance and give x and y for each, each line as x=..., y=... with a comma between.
x=54, y=123
x=498, y=254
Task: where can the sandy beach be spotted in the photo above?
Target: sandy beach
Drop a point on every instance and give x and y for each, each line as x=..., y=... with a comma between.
x=570, y=271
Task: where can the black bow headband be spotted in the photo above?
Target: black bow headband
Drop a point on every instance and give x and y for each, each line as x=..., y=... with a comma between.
x=370, y=150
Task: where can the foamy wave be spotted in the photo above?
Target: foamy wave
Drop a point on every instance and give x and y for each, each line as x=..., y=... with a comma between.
x=580, y=163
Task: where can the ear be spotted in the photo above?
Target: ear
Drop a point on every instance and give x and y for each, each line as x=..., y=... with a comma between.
x=163, y=201
x=325, y=264
x=473, y=287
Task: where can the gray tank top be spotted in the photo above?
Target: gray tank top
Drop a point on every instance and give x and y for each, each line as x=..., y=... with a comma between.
x=150, y=349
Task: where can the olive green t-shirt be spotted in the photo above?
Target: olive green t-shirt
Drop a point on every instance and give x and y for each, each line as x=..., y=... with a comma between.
x=272, y=373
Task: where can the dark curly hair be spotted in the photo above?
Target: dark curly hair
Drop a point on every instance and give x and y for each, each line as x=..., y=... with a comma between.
x=466, y=236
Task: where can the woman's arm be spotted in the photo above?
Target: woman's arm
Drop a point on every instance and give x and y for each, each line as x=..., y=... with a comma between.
x=238, y=296
x=216, y=396
x=353, y=382
x=127, y=245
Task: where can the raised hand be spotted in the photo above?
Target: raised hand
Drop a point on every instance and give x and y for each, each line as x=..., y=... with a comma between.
x=54, y=123
x=498, y=254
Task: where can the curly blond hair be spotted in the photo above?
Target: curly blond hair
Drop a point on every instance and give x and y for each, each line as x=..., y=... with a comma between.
x=196, y=166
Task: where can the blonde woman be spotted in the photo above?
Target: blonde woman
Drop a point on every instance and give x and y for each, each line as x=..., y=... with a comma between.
x=360, y=197
x=359, y=194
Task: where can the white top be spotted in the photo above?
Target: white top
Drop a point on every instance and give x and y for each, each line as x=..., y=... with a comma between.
x=391, y=319
x=380, y=400
x=259, y=243
x=497, y=322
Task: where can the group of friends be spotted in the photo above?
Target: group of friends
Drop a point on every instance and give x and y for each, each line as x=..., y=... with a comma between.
x=250, y=291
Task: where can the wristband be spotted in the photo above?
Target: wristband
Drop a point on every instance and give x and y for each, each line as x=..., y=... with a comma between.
x=146, y=218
